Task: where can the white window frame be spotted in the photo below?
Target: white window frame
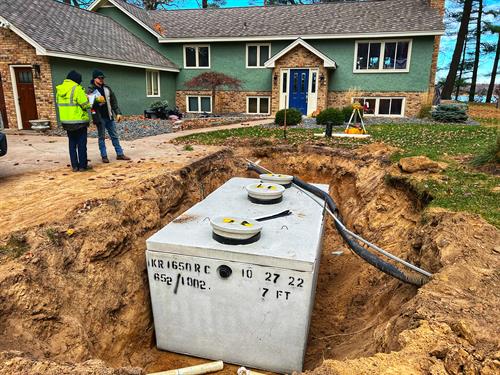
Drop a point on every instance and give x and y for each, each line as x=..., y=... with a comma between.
x=381, y=57
x=199, y=103
x=258, y=105
x=258, y=45
x=157, y=83
x=197, y=56
x=377, y=105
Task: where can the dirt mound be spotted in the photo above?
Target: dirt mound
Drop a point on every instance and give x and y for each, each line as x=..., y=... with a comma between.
x=81, y=296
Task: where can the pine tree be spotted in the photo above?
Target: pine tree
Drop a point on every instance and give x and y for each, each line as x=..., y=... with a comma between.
x=455, y=60
x=472, y=90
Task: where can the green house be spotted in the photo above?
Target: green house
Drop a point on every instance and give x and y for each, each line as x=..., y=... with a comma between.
x=310, y=57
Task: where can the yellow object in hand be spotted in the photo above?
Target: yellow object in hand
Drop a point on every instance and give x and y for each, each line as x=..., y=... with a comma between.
x=101, y=99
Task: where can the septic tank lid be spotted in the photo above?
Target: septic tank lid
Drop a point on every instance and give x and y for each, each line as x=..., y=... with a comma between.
x=282, y=179
x=265, y=193
x=234, y=230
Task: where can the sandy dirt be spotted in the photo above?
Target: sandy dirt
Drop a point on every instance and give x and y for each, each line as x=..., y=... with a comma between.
x=78, y=303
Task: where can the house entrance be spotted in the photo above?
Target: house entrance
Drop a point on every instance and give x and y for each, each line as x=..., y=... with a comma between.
x=26, y=95
x=299, y=89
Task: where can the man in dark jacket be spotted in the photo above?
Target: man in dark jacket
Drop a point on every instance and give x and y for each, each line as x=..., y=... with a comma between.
x=104, y=111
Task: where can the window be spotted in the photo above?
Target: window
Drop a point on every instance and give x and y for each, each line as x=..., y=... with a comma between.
x=25, y=76
x=382, y=56
x=257, y=55
x=152, y=83
x=197, y=57
x=313, y=82
x=199, y=104
x=382, y=106
x=258, y=105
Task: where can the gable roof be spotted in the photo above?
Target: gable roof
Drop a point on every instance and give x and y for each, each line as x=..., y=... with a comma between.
x=370, y=18
x=56, y=29
x=328, y=63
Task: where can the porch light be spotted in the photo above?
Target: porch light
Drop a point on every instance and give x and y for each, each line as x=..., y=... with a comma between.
x=36, y=70
x=275, y=78
x=322, y=78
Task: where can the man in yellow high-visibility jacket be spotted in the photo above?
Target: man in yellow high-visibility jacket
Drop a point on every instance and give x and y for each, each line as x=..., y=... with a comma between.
x=73, y=106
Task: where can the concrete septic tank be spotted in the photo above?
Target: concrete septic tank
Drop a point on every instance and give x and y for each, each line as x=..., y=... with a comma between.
x=243, y=304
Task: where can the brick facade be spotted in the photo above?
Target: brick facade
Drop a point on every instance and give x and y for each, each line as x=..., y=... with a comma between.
x=439, y=5
x=15, y=51
x=300, y=57
x=225, y=101
x=413, y=100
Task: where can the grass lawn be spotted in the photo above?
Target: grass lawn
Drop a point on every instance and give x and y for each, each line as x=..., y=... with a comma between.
x=463, y=188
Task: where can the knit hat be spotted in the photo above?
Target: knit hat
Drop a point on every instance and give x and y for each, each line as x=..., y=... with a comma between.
x=97, y=73
x=74, y=76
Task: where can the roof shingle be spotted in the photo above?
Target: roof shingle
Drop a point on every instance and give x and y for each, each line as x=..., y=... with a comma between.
x=57, y=27
x=340, y=18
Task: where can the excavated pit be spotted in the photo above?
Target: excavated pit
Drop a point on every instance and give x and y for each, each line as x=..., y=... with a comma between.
x=72, y=299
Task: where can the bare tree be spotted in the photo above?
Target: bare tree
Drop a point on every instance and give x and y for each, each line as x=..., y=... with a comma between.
x=213, y=81
x=151, y=4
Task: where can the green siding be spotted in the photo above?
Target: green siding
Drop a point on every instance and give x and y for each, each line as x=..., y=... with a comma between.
x=229, y=58
x=129, y=84
x=343, y=78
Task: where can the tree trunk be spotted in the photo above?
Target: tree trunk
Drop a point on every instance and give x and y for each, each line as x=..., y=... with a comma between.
x=455, y=60
x=461, y=70
x=472, y=91
x=493, y=73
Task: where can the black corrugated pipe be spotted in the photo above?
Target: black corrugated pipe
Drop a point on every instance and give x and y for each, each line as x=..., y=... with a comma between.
x=372, y=259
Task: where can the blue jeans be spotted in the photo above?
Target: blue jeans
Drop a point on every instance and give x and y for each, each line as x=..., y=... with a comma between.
x=108, y=125
x=78, y=148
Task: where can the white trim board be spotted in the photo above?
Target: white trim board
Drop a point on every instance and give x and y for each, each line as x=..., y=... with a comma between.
x=109, y=61
x=265, y=38
x=328, y=63
x=96, y=3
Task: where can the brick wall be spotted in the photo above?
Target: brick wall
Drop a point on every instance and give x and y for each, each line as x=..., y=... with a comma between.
x=225, y=101
x=15, y=51
x=413, y=100
x=439, y=5
x=300, y=57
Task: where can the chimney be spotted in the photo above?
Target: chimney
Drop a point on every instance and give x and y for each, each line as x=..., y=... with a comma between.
x=437, y=4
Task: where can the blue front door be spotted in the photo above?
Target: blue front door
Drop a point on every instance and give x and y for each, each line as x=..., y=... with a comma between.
x=299, y=87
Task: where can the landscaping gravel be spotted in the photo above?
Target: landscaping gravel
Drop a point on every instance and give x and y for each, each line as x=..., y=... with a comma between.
x=130, y=129
x=310, y=123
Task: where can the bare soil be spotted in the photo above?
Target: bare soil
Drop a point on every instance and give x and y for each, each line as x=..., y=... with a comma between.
x=77, y=302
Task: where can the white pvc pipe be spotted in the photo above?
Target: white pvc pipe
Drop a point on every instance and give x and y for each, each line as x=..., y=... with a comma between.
x=194, y=370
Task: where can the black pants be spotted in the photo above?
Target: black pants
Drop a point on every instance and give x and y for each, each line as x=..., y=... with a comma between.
x=78, y=148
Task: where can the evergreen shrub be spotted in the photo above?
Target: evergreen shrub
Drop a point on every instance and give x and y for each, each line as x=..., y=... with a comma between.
x=333, y=115
x=450, y=113
x=293, y=117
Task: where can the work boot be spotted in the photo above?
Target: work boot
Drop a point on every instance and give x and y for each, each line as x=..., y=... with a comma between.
x=122, y=157
x=87, y=168
x=105, y=159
